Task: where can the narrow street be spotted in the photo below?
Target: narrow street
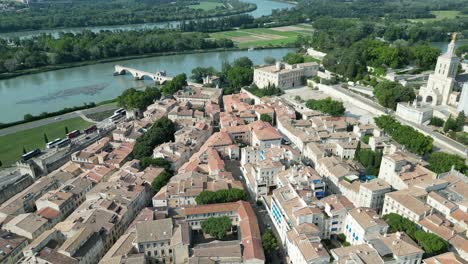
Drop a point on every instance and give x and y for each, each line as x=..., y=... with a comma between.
x=264, y=221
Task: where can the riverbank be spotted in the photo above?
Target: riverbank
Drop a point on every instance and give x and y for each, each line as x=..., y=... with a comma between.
x=5, y=76
x=251, y=8
x=58, y=89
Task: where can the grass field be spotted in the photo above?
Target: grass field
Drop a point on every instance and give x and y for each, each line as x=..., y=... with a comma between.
x=205, y=5
x=265, y=37
x=440, y=15
x=11, y=146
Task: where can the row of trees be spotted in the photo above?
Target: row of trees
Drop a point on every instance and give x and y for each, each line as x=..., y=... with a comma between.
x=47, y=50
x=405, y=135
x=431, y=243
x=221, y=196
x=218, y=24
x=120, y=12
x=133, y=99
x=327, y=106
x=352, y=62
x=270, y=90
x=440, y=162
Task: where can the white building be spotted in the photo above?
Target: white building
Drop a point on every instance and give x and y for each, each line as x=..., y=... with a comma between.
x=363, y=225
x=401, y=172
x=463, y=103
x=284, y=75
x=441, y=82
x=409, y=203
x=261, y=177
x=415, y=112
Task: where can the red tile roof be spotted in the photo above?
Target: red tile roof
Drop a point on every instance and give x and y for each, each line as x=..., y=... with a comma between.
x=48, y=213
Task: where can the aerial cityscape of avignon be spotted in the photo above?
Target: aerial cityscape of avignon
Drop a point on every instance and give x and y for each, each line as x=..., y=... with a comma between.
x=234, y=131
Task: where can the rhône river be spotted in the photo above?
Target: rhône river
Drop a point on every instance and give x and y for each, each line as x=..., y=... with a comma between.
x=264, y=8
x=54, y=90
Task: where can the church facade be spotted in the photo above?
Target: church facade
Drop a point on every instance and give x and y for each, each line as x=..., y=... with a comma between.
x=440, y=84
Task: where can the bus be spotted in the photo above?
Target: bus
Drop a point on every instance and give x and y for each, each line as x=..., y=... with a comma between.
x=62, y=143
x=90, y=129
x=30, y=154
x=115, y=117
x=73, y=134
x=52, y=143
x=119, y=111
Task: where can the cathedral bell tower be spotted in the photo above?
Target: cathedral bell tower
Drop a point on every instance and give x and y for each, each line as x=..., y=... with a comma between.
x=440, y=83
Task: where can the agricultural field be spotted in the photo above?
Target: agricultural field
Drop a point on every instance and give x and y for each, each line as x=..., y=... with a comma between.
x=440, y=15
x=265, y=37
x=206, y=6
x=11, y=146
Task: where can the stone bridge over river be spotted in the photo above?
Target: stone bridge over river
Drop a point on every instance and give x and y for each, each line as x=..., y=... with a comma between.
x=159, y=77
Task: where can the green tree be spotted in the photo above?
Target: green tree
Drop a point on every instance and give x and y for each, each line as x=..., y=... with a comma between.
x=160, y=181
x=134, y=99
x=269, y=60
x=441, y=162
x=28, y=117
x=199, y=73
x=431, y=243
x=327, y=105
x=450, y=124
x=461, y=50
x=266, y=118
x=161, y=131
x=243, y=62
x=217, y=226
x=174, y=85
x=460, y=121
x=46, y=139
x=435, y=121
x=221, y=196
x=424, y=56
x=358, y=151
x=269, y=242
x=390, y=93
x=293, y=58
x=239, y=77
x=66, y=130
x=413, y=140
x=155, y=162
x=1, y=164
x=24, y=150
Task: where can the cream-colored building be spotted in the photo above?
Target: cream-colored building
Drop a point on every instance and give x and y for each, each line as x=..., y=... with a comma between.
x=409, y=203
x=284, y=75
x=362, y=225
x=441, y=82
x=415, y=112
x=398, y=248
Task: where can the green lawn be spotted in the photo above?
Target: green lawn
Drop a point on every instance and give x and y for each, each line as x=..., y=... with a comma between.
x=11, y=146
x=440, y=15
x=205, y=5
x=264, y=37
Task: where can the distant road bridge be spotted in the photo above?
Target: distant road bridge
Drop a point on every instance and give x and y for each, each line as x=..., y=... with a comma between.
x=159, y=77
